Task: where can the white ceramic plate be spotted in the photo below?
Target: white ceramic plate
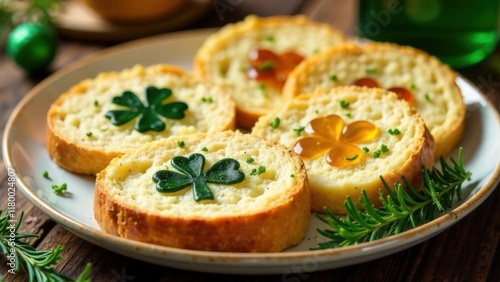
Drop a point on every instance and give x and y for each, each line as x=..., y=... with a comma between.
x=24, y=151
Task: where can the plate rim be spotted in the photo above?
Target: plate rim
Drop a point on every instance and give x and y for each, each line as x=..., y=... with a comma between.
x=207, y=257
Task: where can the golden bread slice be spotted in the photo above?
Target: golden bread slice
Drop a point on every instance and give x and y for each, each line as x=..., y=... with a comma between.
x=425, y=82
x=101, y=118
x=348, y=137
x=252, y=58
x=259, y=202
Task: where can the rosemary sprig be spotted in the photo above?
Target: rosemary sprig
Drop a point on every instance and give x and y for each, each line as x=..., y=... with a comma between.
x=37, y=263
x=401, y=209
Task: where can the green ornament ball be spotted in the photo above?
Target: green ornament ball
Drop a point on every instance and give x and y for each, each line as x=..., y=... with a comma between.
x=32, y=46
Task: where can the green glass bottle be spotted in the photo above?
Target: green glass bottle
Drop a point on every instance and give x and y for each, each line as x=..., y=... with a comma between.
x=459, y=32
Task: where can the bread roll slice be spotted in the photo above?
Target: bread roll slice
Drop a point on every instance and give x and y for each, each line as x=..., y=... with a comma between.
x=348, y=137
x=267, y=211
x=82, y=138
x=430, y=83
x=225, y=57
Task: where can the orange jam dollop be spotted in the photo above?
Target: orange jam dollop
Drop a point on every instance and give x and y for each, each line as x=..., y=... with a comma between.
x=270, y=68
x=402, y=92
x=330, y=135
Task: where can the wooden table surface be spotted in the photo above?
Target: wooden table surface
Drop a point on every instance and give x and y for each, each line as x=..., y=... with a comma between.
x=467, y=251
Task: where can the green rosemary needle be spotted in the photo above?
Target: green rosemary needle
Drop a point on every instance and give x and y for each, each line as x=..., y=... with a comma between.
x=37, y=263
x=402, y=209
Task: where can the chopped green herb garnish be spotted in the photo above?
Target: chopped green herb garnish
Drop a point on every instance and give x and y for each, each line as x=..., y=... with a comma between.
x=384, y=148
x=317, y=112
x=45, y=174
x=333, y=77
x=207, y=99
x=204, y=149
x=365, y=149
x=258, y=171
x=299, y=130
x=148, y=115
x=96, y=103
x=250, y=160
x=348, y=115
x=344, y=104
x=275, y=123
x=292, y=175
x=377, y=154
x=352, y=158
x=266, y=65
x=427, y=97
x=181, y=144
x=89, y=134
x=269, y=38
x=59, y=189
x=413, y=86
x=225, y=171
x=371, y=70
x=393, y=131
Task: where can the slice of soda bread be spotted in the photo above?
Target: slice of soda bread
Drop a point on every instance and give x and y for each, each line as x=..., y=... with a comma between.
x=259, y=202
x=425, y=82
x=101, y=118
x=348, y=137
x=231, y=58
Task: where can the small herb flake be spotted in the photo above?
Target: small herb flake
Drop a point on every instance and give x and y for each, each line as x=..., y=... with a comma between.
x=371, y=70
x=266, y=65
x=333, y=77
x=275, y=123
x=258, y=171
x=393, y=131
x=45, y=174
x=207, y=100
x=250, y=160
x=204, y=149
x=377, y=154
x=59, y=189
x=348, y=115
x=96, y=103
x=292, y=175
x=344, y=104
x=299, y=130
x=427, y=97
x=351, y=158
x=181, y=144
x=384, y=148
x=89, y=134
x=413, y=86
x=365, y=149
x=269, y=38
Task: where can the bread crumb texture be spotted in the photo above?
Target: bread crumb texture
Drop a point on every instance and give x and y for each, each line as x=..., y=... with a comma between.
x=265, y=212
x=407, y=152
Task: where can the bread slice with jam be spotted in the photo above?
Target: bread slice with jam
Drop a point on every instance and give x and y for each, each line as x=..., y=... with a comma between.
x=252, y=58
x=101, y=118
x=225, y=192
x=420, y=79
x=349, y=137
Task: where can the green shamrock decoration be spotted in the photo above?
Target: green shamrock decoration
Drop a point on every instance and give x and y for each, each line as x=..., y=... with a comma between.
x=148, y=119
x=224, y=171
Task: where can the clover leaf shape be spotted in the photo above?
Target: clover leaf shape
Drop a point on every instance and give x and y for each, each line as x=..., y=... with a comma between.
x=330, y=135
x=148, y=115
x=225, y=171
